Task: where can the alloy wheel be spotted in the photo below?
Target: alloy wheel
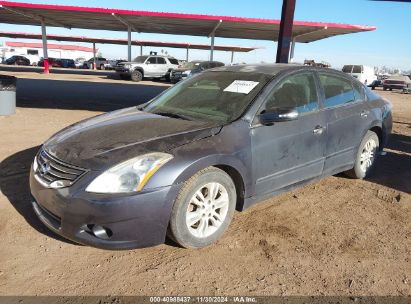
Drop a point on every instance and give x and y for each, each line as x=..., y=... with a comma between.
x=207, y=210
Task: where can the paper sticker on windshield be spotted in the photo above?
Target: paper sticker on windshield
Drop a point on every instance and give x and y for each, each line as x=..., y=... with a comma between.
x=241, y=86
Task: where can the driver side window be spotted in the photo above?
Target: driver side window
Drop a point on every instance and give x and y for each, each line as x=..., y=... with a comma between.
x=152, y=60
x=296, y=91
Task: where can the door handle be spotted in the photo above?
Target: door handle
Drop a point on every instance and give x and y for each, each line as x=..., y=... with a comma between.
x=364, y=114
x=318, y=130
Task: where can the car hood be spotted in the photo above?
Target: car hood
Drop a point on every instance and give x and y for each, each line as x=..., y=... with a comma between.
x=100, y=142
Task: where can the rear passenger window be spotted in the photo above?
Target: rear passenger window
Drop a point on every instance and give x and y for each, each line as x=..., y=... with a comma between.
x=161, y=60
x=337, y=90
x=296, y=91
x=359, y=91
x=173, y=61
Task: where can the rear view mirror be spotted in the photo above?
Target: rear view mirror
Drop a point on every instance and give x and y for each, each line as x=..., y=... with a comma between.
x=268, y=117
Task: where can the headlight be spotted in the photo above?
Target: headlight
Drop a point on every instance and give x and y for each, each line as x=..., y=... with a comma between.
x=186, y=73
x=129, y=176
x=127, y=66
x=35, y=164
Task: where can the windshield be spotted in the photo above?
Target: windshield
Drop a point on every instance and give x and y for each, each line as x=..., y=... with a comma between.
x=140, y=59
x=210, y=96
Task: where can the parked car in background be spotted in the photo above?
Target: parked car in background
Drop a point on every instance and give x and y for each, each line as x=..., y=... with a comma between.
x=183, y=162
x=111, y=64
x=17, y=60
x=79, y=62
x=375, y=84
x=100, y=62
x=192, y=68
x=53, y=62
x=365, y=74
x=68, y=63
x=147, y=66
x=397, y=82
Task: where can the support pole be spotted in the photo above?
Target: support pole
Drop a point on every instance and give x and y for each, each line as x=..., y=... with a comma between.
x=212, y=48
x=286, y=31
x=292, y=51
x=232, y=57
x=212, y=35
x=187, y=54
x=45, y=53
x=94, y=57
x=129, y=44
x=141, y=50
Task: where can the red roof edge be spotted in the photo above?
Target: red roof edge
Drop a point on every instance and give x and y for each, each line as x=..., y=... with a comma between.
x=179, y=15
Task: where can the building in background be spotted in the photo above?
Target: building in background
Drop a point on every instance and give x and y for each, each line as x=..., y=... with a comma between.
x=34, y=51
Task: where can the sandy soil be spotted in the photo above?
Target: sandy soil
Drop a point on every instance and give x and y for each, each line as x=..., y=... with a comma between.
x=335, y=237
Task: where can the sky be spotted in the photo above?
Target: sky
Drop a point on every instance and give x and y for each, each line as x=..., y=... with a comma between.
x=389, y=45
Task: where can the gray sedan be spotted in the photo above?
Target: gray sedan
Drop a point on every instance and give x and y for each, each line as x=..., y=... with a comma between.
x=223, y=140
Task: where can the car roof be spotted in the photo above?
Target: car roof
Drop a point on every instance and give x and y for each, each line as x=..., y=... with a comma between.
x=276, y=68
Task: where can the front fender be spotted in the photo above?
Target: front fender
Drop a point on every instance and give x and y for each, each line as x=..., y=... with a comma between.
x=230, y=148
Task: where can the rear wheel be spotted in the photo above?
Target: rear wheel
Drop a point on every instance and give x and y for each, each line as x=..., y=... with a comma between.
x=136, y=76
x=366, y=156
x=203, y=209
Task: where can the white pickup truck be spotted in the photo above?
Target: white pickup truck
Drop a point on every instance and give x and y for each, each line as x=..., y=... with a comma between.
x=147, y=66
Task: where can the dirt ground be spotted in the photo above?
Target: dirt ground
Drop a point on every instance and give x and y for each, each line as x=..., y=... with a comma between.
x=335, y=237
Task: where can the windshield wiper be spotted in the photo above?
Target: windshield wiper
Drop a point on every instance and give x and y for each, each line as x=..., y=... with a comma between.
x=172, y=115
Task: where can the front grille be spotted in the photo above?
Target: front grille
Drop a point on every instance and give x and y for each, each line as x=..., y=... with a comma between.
x=51, y=170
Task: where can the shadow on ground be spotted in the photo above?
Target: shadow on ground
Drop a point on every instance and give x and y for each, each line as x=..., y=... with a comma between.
x=394, y=169
x=82, y=95
x=14, y=184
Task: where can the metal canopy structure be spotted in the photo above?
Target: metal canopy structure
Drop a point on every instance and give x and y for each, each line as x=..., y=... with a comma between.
x=165, y=23
x=168, y=23
x=180, y=45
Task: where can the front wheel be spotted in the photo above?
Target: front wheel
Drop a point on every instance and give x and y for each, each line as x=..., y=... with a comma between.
x=203, y=209
x=366, y=156
x=136, y=76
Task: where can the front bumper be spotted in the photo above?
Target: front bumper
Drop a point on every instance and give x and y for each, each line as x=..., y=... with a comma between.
x=177, y=76
x=134, y=221
x=122, y=70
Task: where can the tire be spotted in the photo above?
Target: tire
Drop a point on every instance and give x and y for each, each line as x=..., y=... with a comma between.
x=368, y=150
x=102, y=67
x=136, y=76
x=384, y=89
x=214, y=220
x=168, y=76
x=390, y=89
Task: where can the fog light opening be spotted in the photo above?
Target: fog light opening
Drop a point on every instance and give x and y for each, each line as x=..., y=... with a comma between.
x=100, y=232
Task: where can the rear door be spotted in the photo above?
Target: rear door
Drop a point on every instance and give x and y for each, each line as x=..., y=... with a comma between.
x=162, y=67
x=291, y=151
x=347, y=115
x=151, y=69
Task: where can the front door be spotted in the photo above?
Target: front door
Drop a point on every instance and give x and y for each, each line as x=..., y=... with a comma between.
x=288, y=152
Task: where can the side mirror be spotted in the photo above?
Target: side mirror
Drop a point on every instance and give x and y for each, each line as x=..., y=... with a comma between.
x=269, y=117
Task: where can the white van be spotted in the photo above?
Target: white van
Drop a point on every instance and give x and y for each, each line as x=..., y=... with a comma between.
x=363, y=73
